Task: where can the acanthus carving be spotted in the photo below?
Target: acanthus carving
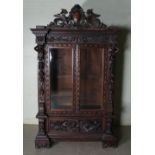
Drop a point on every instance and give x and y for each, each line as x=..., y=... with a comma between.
x=76, y=125
x=64, y=125
x=90, y=125
x=77, y=18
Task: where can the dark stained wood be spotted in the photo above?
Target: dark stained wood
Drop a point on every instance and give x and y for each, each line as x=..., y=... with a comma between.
x=75, y=78
x=91, y=80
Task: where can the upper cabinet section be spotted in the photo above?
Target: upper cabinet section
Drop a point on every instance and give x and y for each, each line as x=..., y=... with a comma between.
x=76, y=26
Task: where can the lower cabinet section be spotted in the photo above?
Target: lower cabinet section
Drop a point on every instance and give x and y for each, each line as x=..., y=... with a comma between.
x=75, y=129
x=74, y=125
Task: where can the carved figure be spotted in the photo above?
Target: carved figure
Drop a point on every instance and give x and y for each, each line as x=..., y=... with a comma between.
x=61, y=18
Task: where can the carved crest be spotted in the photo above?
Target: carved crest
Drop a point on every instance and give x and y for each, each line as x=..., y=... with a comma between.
x=76, y=18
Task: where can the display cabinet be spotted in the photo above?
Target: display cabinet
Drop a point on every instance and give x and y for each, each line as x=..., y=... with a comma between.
x=75, y=78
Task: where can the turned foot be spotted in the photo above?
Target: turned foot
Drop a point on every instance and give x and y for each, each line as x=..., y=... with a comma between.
x=109, y=141
x=42, y=142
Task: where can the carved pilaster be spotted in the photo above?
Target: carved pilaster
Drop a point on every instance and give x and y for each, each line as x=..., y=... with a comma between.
x=108, y=139
x=41, y=80
x=112, y=50
x=42, y=139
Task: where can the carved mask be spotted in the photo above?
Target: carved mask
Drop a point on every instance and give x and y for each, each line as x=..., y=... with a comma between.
x=77, y=16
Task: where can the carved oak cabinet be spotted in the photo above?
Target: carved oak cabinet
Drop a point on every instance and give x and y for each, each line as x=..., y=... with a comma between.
x=75, y=78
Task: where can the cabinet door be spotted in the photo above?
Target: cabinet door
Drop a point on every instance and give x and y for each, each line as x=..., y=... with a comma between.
x=61, y=80
x=91, y=78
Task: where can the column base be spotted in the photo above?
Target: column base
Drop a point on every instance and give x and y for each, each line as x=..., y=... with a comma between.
x=109, y=141
x=42, y=142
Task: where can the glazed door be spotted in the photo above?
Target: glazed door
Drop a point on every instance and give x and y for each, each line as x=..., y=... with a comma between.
x=76, y=78
x=91, y=78
x=61, y=78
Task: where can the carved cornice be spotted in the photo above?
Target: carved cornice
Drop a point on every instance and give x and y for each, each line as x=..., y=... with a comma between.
x=70, y=37
x=65, y=28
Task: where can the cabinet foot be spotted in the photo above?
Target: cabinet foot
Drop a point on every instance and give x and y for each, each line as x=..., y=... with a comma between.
x=109, y=141
x=42, y=142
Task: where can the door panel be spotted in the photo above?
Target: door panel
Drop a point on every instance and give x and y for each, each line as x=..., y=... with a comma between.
x=91, y=78
x=61, y=78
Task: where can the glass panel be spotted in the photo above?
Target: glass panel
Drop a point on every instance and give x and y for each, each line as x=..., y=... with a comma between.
x=61, y=78
x=91, y=87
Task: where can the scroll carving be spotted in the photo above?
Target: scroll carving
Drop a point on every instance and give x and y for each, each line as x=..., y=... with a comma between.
x=77, y=18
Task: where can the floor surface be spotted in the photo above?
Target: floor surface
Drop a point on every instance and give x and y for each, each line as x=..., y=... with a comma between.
x=76, y=148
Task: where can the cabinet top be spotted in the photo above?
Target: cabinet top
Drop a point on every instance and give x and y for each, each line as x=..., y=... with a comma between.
x=75, y=20
x=76, y=26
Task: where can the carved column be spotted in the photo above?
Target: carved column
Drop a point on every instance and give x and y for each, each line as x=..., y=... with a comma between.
x=42, y=139
x=108, y=138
